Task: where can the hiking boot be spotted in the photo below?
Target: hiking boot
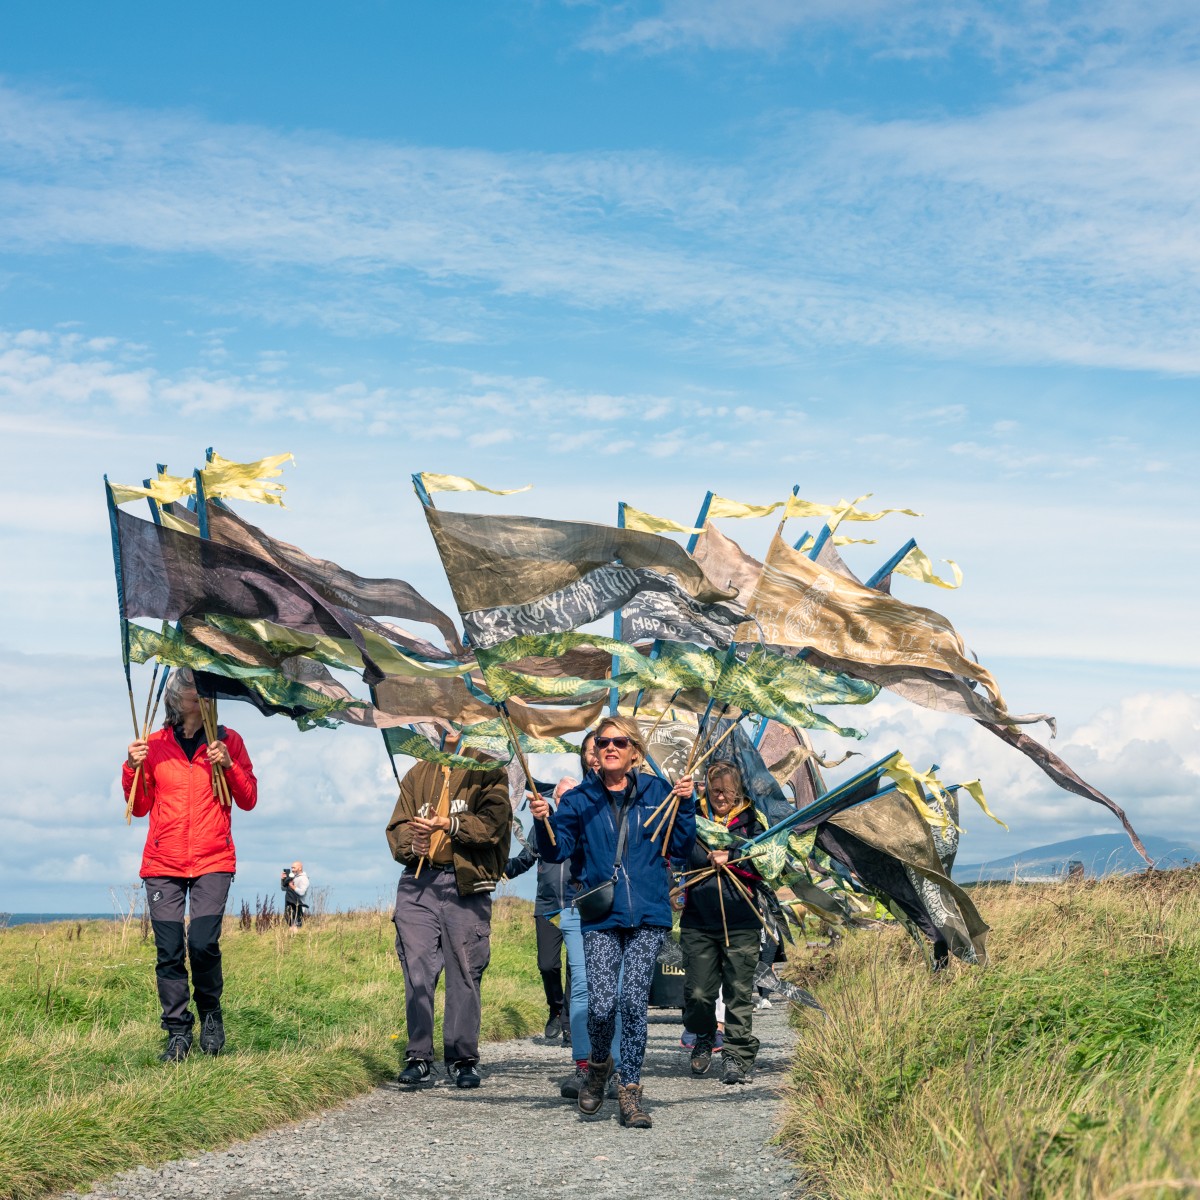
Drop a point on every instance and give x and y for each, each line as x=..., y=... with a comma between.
x=416, y=1073
x=702, y=1055
x=465, y=1074
x=554, y=1027
x=632, y=1113
x=591, y=1093
x=733, y=1071
x=212, y=1034
x=571, y=1086
x=178, y=1047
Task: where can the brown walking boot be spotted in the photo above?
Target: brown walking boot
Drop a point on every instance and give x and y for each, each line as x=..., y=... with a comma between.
x=591, y=1094
x=633, y=1114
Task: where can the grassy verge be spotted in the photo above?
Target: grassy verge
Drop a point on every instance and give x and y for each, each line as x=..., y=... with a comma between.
x=311, y=1018
x=1067, y=1069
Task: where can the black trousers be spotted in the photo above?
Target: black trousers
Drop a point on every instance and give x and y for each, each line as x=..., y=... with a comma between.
x=549, y=956
x=199, y=943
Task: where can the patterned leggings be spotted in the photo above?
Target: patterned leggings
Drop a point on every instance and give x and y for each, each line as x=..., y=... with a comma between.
x=606, y=951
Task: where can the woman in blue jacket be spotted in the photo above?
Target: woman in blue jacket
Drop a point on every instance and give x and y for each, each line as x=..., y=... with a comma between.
x=607, y=812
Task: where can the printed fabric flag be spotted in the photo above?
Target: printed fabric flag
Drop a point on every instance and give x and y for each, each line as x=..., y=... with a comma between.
x=268, y=638
x=374, y=597
x=800, y=603
x=784, y=688
x=272, y=691
x=168, y=575
x=1062, y=774
x=517, y=575
x=887, y=844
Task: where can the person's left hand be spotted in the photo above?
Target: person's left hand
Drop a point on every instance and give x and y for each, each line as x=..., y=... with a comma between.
x=427, y=825
x=218, y=755
x=684, y=788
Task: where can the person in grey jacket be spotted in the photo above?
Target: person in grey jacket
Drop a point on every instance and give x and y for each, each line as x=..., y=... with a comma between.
x=556, y=888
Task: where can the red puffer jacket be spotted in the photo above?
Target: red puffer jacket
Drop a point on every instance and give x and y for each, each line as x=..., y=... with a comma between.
x=189, y=828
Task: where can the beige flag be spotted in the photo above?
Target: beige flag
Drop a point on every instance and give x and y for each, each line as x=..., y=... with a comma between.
x=726, y=563
x=799, y=603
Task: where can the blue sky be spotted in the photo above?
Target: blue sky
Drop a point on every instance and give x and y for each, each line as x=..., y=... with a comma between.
x=943, y=253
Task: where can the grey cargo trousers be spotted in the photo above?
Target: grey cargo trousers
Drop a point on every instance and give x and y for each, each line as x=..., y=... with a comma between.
x=436, y=930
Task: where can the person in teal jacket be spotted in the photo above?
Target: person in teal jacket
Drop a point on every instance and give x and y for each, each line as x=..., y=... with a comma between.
x=629, y=936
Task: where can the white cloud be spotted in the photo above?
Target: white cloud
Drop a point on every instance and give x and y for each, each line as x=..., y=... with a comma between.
x=1055, y=227
x=1027, y=33
x=1142, y=751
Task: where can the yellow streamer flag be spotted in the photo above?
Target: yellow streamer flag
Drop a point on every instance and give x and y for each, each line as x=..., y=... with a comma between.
x=166, y=489
x=227, y=480
x=719, y=507
x=974, y=789
x=458, y=483
x=810, y=541
x=797, y=506
x=223, y=480
x=649, y=523
x=843, y=510
x=906, y=778
x=916, y=565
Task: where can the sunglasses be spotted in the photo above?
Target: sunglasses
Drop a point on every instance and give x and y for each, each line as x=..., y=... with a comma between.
x=602, y=743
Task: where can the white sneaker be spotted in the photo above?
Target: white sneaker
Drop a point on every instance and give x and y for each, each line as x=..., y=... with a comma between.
x=761, y=1003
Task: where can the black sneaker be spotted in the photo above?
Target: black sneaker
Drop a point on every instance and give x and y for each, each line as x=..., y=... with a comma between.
x=554, y=1027
x=212, y=1034
x=733, y=1071
x=572, y=1084
x=179, y=1046
x=416, y=1073
x=465, y=1074
x=702, y=1055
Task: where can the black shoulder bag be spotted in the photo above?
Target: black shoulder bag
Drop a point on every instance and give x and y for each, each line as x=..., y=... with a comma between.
x=596, y=903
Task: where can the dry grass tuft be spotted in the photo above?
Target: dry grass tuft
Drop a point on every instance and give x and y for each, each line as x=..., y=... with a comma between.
x=1066, y=1070
x=312, y=1019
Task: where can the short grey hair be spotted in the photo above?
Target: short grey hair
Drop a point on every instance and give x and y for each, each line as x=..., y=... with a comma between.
x=176, y=682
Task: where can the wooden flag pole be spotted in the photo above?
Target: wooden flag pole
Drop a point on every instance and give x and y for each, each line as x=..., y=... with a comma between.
x=515, y=741
x=443, y=802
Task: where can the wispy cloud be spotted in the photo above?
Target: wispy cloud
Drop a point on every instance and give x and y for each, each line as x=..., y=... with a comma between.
x=1055, y=228
x=1023, y=33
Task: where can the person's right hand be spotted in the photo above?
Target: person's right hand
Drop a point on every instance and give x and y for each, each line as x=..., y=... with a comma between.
x=539, y=806
x=136, y=754
x=420, y=844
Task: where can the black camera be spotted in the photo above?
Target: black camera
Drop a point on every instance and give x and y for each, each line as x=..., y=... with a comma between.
x=288, y=873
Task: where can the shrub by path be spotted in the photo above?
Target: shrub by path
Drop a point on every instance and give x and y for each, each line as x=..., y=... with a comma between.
x=514, y=1137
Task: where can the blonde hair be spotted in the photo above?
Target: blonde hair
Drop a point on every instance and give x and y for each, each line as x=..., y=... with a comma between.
x=627, y=728
x=719, y=770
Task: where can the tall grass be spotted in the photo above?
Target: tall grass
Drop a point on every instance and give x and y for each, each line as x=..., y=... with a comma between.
x=1065, y=1070
x=312, y=1018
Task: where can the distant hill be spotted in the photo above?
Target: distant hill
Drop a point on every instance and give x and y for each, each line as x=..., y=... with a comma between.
x=1102, y=854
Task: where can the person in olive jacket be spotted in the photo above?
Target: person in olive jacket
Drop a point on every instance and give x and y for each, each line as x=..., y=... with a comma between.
x=189, y=859
x=450, y=828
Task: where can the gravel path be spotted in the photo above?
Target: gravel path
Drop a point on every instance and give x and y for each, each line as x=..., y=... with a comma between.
x=514, y=1136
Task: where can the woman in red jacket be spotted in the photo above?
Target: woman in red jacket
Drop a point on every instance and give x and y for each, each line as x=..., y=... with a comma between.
x=189, y=856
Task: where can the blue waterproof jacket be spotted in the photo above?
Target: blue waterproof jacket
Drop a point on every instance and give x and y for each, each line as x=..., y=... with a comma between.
x=584, y=821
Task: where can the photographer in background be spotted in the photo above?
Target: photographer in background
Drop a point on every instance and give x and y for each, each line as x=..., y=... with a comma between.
x=295, y=887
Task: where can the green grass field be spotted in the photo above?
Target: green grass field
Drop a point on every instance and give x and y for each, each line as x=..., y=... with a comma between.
x=312, y=1019
x=1065, y=1070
